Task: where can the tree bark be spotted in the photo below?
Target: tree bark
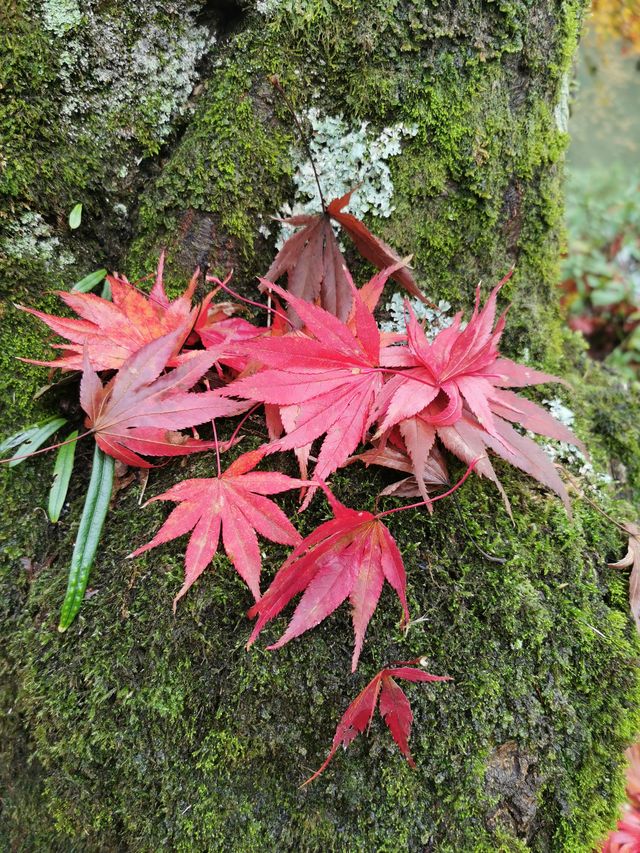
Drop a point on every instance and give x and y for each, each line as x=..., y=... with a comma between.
x=139, y=730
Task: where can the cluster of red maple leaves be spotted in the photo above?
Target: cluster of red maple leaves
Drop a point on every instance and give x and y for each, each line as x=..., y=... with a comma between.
x=325, y=373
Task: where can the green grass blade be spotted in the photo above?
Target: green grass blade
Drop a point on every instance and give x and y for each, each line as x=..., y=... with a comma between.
x=94, y=513
x=30, y=439
x=24, y=435
x=89, y=281
x=61, y=476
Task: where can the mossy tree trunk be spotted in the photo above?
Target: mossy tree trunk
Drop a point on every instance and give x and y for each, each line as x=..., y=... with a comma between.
x=140, y=730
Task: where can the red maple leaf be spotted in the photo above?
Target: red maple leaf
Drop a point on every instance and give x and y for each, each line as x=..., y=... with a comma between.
x=455, y=389
x=111, y=331
x=314, y=264
x=139, y=411
x=348, y=557
x=394, y=709
x=325, y=384
x=233, y=503
x=395, y=456
x=626, y=837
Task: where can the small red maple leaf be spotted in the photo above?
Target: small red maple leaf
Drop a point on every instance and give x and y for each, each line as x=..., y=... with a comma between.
x=455, y=389
x=315, y=266
x=139, y=411
x=393, y=454
x=327, y=383
x=394, y=709
x=348, y=557
x=111, y=331
x=233, y=503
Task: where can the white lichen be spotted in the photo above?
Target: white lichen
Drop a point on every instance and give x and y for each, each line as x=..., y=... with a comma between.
x=567, y=454
x=29, y=236
x=120, y=83
x=436, y=319
x=267, y=7
x=561, y=109
x=60, y=16
x=346, y=158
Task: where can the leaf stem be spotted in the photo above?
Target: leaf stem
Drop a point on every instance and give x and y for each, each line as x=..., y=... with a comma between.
x=277, y=85
x=249, y=301
x=46, y=449
x=581, y=494
x=242, y=422
x=492, y=558
x=215, y=437
x=446, y=494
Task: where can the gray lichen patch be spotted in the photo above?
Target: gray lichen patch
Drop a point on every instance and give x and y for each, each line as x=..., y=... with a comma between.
x=92, y=89
x=346, y=157
x=30, y=237
x=59, y=16
x=133, y=79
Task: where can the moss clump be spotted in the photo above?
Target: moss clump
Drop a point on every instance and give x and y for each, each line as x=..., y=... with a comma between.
x=214, y=740
x=232, y=163
x=87, y=96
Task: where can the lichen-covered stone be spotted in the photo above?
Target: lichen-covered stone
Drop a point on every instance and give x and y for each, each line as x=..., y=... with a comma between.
x=140, y=730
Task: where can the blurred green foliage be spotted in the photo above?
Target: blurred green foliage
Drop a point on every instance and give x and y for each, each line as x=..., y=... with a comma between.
x=601, y=271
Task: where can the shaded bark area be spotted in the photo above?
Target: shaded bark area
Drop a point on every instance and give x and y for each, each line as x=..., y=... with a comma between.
x=139, y=730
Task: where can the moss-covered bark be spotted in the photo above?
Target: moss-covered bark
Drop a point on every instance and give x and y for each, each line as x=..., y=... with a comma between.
x=140, y=730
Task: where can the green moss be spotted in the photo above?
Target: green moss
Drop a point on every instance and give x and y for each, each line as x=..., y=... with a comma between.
x=518, y=638
x=232, y=162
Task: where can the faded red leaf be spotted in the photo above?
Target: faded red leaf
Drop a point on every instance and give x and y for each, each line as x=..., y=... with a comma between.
x=348, y=557
x=631, y=560
x=315, y=267
x=231, y=504
x=139, y=411
x=394, y=708
x=111, y=331
x=396, y=457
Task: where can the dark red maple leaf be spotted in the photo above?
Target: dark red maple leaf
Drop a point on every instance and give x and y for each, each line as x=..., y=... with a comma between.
x=139, y=411
x=314, y=264
x=455, y=389
x=111, y=331
x=231, y=503
x=394, y=709
x=325, y=384
x=348, y=557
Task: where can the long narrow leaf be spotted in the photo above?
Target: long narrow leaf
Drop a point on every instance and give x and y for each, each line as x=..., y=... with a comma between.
x=94, y=513
x=31, y=439
x=89, y=281
x=23, y=435
x=61, y=476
